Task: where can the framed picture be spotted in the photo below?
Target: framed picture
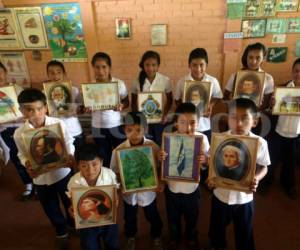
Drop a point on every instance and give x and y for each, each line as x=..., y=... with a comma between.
x=254, y=28
x=59, y=98
x=276, y=26
x=158, y=34
x=100, y=96
x=9, y=38
x=137, y=168
x=287, y=101
x=293, y=25
x=181, y=163
x=252, y=8
x=17, y=71
x=45, y=148
x=123, y=28
x=233, y=161
x=287, y=5
x=249, y=84
x=267, y=8
x=9, y=106
x=94, y=206
x=198, y=93
x=32, y=28
x=151, y=104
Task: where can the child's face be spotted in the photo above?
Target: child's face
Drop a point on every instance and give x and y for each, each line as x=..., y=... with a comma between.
x=35, y=112
x=90, y=169
x=2, y=77
x=296, y=74
x=55, y=73
x=254, y=59
x=135, y=134
x=240, y=121
x=186, y=123
x=248, y=87
x=230, y=158
x=101, y=71
x=151, y=67
x=198, y=68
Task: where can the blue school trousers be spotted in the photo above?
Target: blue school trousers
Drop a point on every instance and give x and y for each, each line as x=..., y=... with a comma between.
x=222, y=215
x=155, y=131
x=90, y=237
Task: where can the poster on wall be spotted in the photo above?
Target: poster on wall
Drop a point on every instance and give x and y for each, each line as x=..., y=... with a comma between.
x=64, y=28
x=268, y=8
x=277, y=54
x=17, y=71
x=123, y=28
x=254, y=28
x=276, y=26
x=235, y=9
x=287, y=5
x=297, y=48
x=252, y=8
x=293, y=25
x=279, y=38
x=32, y=28
x=9, y=39
x=158, y=34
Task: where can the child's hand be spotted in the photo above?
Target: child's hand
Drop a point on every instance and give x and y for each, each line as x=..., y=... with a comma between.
x=254, y=184
x=71, y=211
x=201, y=158
x=29, y=170
x=208, y=113
x=272, y=101
x=161, y=187
x=71, y=162
x=210, y=182
x=164, y=119
x=88, y=110
x=162, y=155
x=119, y=107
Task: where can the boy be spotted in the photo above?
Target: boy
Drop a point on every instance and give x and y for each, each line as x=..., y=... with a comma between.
x=92, y=173
x=135, y=125
x=229, y=205
x=53, y=184
x=182, y=198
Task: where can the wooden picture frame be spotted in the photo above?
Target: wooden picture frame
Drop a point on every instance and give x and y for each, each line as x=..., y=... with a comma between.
x=151, y=104
x=134, y=164
x=158, y=34
x=198, y=93
x=59, y=98
x=181, y=163
x=46, y=149
x=249, y=84
x=287, y=101
x=123, y=28
x=100, y=96
x=233, y=161
x=9, y=106
x=268, y=8
x=102, y=210
x=254, y=28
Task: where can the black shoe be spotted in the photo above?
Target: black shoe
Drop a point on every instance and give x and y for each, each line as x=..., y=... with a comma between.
x=62, y=242
x=27, y=195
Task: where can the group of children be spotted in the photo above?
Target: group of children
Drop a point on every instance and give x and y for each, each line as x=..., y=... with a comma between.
x=97, y=162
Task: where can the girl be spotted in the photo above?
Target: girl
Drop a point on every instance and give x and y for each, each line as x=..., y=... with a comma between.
x=150, y=80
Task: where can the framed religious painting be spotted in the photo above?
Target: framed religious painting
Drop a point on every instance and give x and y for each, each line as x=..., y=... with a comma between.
x=100, y=96
x=254, y=28
x=287, y=101
x=123, y=28
x=233, y=161
x=181, y=163
x=198, y=93
x=137, y=168
x=249, y=84
x=151, y=104
x=45, y=148
x=9, y=106
x=94, y=206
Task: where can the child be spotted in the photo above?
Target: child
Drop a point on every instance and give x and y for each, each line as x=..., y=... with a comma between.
x=56, y=73
x=150, y=80
x=198, y=61
x=106, y=125
x=92, y=173
x=182, y=198
x=7, y=131
x=135, y=124
x=53, y=184
x=229, y=205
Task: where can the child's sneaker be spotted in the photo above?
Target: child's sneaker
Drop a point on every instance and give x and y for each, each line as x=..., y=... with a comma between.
x=157, y=244
x=130, y=243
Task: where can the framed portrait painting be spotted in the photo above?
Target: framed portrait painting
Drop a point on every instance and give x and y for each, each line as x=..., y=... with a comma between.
x=253, y=28
x=123, y=28
x=287, y=5
x=151, y=104
x=94, y=206
x=9, y=106
x=181, y=162
x=198, y=93
x=137, y=168
x=45, y=148
x=233, y=161
x=100, y=96
x=249, y=84
x=287, y=101
x=59, y=98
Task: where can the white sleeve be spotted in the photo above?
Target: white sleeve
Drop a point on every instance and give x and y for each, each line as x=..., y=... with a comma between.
x=4, y=151
x=68, y=139
x=263, y=157
x=216, y=89
x=230, y=83
x=135, y=86
x=168, y=86
x=21, y=147
x=122, y=90
x=179, y=90
x=113, y=162
x=269, y=84
x=205, y=145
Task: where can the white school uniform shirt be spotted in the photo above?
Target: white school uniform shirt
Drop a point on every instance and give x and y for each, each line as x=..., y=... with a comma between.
x=216, y=92
x=52, y=176
x=106, y=177
x=4, y=151
x=110, y=118
x=142, y=199
x=185, y=187
x=288, y=126
x=232, y=197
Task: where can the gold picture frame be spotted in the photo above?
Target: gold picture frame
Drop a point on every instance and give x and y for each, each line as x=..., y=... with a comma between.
x=287, y=101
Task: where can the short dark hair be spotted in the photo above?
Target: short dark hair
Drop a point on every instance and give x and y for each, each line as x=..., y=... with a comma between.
x=87, y=152
x=198, y=53
x=297, y=61
x=254, y=46
x=3, y=67
x=185, y=108
x=101, y=56
x=56, y=63
x=243, y=103
x=135, y=118
x=31, y=95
